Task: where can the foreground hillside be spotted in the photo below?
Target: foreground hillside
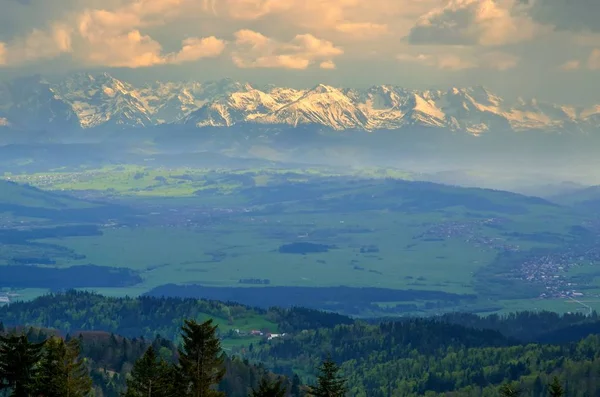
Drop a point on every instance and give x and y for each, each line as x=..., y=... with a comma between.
x=464, y=355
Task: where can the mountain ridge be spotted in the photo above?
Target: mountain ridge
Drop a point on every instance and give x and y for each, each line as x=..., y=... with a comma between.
x=86, y=101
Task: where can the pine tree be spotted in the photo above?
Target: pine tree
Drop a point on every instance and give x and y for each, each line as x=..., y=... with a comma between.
x=201, y=359
x=329, y=382
x=295, y=390
x=269, y=388
x=78, y=380
x=18, y=359
x=61, y=371
x=152, y=377
x=555, y=389
x=507, y=390
x=49, y=381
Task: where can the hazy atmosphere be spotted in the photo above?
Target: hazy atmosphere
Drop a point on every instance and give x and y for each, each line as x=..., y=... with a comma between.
x=299, y=198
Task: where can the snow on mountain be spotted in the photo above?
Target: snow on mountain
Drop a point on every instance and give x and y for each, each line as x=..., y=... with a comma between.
x=173, y=102
x=528, y=115
x=102, y=99
x=323, y=105
x=89, y=101
x=237, y=107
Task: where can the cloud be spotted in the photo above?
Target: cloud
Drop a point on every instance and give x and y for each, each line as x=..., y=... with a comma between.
x=39, y=45
x=2, y=53
x=454, y=62
x=498, y=60
x=575, y=15
x=473, y=22
x=594, y=60
x=135, y=50
x=363, y=29
x=99, y=37
x=440, y=61
x=305, y=13
x=571, y=65
x=255, y=50
x=197, y=48
x=327, y=65
x=351, y=17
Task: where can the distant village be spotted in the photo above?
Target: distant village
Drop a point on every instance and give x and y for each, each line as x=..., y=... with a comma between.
x=266, y=335
x=6, y=297
x=548, y=270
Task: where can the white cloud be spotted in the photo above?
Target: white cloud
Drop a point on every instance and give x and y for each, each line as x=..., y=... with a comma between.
x=571, y=65
x=327, y=65
x=473, y=22
x=364, y=30
x=135, y=50
x=451, y=62
x=494, y=60
x=197, y=48
x=2, y=53
x=112, y=38
x=594, y=60
x=255, y=50
x=39, y=45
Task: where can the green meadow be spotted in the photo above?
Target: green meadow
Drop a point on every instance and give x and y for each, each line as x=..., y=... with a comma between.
x=221, y=227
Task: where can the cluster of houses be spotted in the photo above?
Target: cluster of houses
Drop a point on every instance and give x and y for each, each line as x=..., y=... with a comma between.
x=254, y=332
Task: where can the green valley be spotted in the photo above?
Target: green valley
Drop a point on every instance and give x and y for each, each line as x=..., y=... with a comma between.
x=219, y=233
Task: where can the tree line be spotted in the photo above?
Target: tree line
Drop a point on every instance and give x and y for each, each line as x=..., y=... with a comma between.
x=55, y=367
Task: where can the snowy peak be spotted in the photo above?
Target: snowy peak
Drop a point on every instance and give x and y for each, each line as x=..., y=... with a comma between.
x=323, y=105
x=86, y=101
x=104, y=100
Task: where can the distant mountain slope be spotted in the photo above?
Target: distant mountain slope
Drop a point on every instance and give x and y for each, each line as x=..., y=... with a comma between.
x=31, y=103
x=585, y=198
x=14, y=194
x=92, y=101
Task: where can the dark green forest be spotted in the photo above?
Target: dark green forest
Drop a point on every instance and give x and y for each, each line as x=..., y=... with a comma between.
x=123, y=345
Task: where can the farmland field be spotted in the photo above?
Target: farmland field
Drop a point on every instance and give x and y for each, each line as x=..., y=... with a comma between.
x=222, y=230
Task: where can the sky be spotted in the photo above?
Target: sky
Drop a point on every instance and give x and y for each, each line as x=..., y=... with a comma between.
x=548, y=49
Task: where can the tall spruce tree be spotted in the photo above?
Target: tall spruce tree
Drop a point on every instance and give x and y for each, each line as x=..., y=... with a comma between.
x=62, y=373
x=201, y=359
x=269, y=388
x=18, y=364
x=329, y=382
x=555, y=389
x=295, y=389
x=153, y=377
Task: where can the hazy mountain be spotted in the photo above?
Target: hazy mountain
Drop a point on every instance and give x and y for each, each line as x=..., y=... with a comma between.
x=91, y=101
x=31, y=103
x=103, y=100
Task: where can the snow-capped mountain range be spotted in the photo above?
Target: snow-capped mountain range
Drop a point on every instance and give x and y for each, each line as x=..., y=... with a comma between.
x=92, y=101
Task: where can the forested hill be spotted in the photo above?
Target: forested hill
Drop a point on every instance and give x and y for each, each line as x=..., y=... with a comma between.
x=461, y=354
x=146, y=316
x=149, y=316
